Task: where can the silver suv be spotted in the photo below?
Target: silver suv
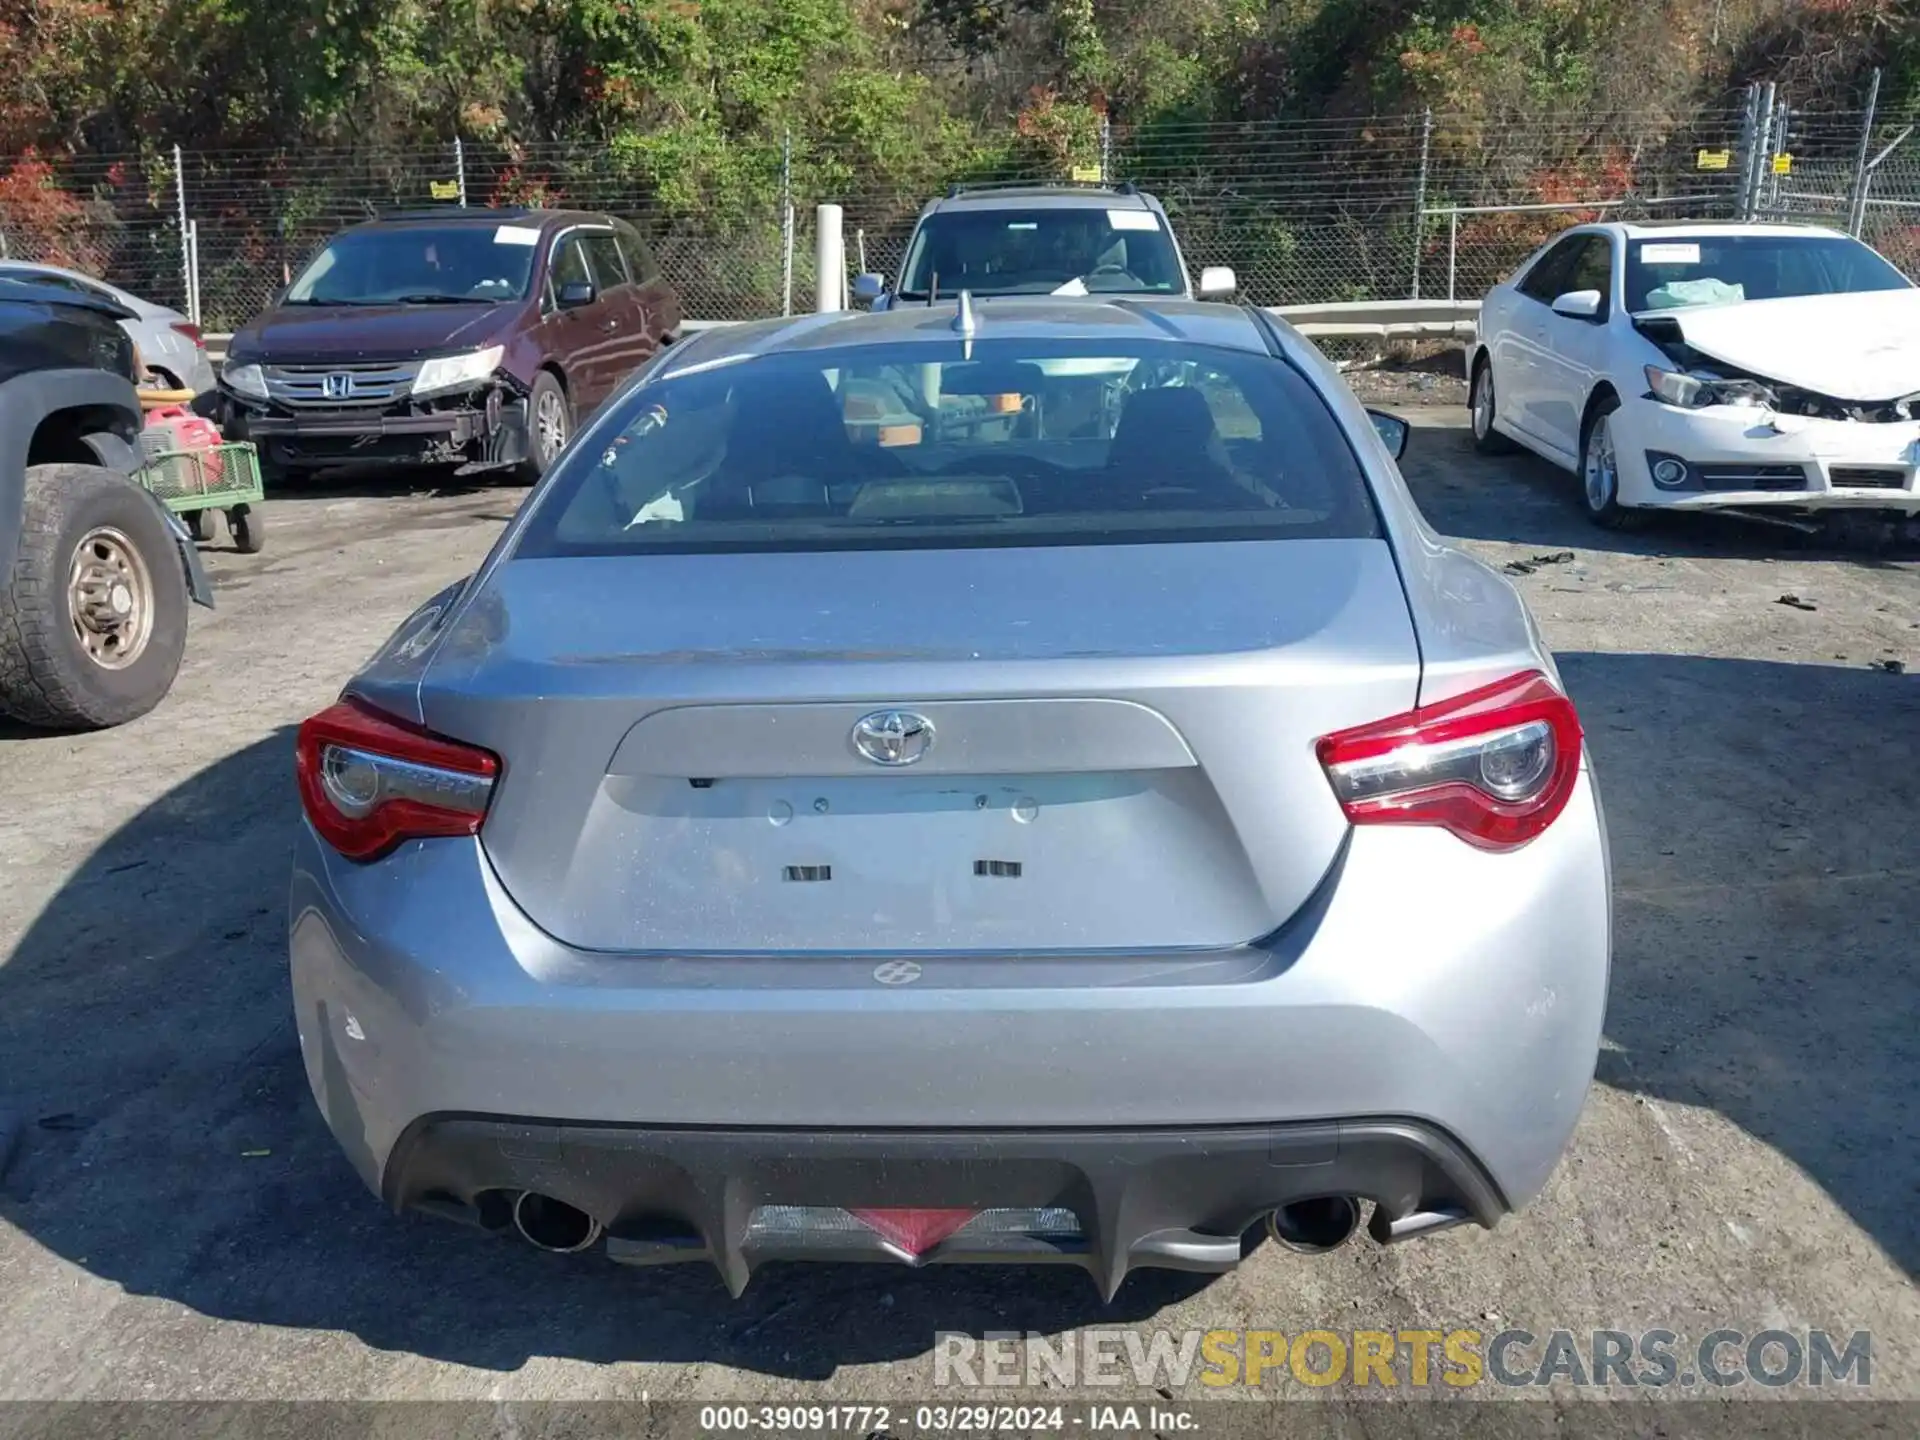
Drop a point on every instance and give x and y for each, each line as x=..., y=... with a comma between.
x=1051, y=239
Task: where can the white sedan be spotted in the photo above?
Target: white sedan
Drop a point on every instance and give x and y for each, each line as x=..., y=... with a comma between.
x=1707, y=366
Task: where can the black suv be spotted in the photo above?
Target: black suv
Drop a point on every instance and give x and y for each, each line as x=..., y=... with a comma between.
x=95, y=575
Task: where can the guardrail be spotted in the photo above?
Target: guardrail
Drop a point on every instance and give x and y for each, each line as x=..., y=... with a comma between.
x=1383, y=319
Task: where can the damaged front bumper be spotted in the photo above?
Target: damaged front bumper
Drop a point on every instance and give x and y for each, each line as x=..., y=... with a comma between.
x=1747, y=457
x=485, y=427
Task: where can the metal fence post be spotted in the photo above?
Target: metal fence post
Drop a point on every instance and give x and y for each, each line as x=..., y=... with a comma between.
x=786, y=222
x=1420, y=198
x=1857, y=197
x=180, y=215
x=1782, y=123
x=1749, y=125
x=193, y=271
x=460, y=169
x=1762, y=151
x=1453, y=248
x=1106, y=149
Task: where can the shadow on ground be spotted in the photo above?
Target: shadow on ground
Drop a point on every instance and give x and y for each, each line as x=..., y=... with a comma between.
x=379, y=482
x=1765, y=821
x=1525, y=500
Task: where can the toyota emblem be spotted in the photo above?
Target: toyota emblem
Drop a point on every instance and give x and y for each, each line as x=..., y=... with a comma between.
x=893, y=737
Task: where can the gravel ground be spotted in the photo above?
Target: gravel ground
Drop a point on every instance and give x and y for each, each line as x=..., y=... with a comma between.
x=175, y=1223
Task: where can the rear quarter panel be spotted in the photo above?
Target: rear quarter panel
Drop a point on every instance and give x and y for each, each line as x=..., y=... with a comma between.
x=1471, y=625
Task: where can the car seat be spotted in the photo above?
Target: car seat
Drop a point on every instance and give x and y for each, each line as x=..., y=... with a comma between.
x=1166, y=438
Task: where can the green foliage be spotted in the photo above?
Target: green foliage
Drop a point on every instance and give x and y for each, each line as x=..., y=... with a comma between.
x=685, y=103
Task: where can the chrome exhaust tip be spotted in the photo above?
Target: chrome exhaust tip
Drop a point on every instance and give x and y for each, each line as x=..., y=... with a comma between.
x=553, y=1225
x=1313, y=1227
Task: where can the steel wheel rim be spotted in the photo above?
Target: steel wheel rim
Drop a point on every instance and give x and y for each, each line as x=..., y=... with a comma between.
x=551, y=419
x=1601, y=473
x=110, y=598
x=1483, y=402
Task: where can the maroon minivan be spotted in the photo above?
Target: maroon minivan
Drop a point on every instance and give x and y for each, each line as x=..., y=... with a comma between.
x=476, y=338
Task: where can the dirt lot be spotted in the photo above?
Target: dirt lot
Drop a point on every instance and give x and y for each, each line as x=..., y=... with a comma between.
x=174, y=1222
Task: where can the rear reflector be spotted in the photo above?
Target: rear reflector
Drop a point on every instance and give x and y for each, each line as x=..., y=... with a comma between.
x=192, y=332
x=1495, y=766
x=369, y=781
x=912, y=1232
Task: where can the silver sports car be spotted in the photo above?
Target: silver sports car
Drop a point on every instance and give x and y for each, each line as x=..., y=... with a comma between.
x=1001, y=782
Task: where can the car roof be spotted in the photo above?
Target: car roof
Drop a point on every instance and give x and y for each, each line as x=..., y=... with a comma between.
x=1642, y=229
x=474, y=217
x=1041, y=195
x=26, y=292
x=1038, y=317
x=15, y=268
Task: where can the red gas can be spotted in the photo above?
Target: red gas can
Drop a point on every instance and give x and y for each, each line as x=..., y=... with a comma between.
x=174, y=427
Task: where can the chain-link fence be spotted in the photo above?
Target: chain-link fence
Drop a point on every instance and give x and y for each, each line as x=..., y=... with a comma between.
x=1305, y=211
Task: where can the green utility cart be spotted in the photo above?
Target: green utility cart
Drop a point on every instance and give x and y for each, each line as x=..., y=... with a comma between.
x=195, y=483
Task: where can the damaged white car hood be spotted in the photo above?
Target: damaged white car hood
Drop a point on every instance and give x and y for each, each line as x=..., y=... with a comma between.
x=1860, y=347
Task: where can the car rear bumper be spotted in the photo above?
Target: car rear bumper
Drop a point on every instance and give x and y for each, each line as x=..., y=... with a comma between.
x=1105, y=1200
x=1842, y=464
x=456, y=1049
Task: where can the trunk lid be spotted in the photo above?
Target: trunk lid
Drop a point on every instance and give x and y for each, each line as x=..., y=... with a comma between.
x=1860, y=347
x=1121, y=757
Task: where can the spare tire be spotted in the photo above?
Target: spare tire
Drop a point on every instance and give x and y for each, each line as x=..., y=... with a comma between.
x=93, y=619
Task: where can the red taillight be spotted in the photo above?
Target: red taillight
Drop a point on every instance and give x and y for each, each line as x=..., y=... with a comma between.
x=1494, y=766
x=192, y=332
x=369, y=781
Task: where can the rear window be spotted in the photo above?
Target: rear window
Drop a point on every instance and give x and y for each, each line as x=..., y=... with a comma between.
x=1677, y=270
x=1015, y=444
x=1042, y=251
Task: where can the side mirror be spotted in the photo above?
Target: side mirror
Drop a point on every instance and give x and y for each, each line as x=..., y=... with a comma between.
x=574, y=294
x=1579, y=305
x=1216, y=281
x=1392, y=430
x=867, y=289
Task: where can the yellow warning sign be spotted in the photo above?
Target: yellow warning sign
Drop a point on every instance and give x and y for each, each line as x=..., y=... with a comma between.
x=446, y=189
x=1783, y=164
x=1087, y=174
x=1716, y=159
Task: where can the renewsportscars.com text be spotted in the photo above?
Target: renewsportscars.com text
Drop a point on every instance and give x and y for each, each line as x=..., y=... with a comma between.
x=1456, y=1358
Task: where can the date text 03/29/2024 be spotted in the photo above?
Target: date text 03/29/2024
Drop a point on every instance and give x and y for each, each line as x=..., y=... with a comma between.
x=868, y=1420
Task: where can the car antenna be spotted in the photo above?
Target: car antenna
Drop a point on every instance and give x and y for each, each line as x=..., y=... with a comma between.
x=963, y=324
